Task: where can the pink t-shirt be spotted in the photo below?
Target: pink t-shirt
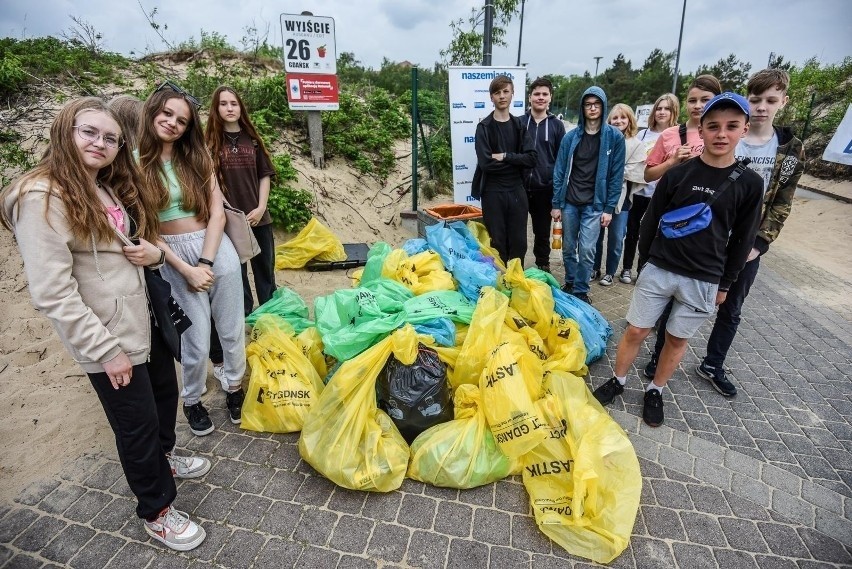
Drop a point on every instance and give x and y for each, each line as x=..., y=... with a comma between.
x=116, y=217
x=669, y=142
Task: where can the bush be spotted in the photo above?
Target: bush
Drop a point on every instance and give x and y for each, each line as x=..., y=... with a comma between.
x=50, y=57
x=288, y=207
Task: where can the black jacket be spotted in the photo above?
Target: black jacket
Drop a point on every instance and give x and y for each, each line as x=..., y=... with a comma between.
x=488, y=142
x=546, y=136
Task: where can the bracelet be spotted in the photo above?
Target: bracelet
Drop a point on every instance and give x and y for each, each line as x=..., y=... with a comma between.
x=160, y=262
x=204, y=261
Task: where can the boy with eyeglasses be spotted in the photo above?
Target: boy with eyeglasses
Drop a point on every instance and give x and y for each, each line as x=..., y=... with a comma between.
x=587, y=178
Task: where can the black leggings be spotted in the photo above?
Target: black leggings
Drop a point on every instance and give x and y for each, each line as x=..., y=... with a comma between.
x=631, y=239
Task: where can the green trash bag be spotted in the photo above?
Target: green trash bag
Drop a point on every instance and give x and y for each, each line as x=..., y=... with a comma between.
x=287, y=304
x=460, y=453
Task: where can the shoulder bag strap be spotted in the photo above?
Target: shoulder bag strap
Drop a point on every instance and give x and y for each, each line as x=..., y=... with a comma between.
x=732, y=177
x=681, y=130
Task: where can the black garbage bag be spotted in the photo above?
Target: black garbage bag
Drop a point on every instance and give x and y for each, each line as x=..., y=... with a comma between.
x=416, y=396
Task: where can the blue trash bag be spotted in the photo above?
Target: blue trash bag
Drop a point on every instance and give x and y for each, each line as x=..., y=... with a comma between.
x=460, y=253
x=414, y=246
x=443, y=330
x=594, y=328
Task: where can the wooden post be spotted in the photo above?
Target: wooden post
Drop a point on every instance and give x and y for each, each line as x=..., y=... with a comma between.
x=315, y=136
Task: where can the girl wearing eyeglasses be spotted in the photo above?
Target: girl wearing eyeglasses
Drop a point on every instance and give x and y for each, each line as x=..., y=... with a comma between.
x=67, y=214
x=201, y=263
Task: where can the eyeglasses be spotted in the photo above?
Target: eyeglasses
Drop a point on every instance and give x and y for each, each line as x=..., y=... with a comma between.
x=592, y=105
x=177, y=89
x=90, y=133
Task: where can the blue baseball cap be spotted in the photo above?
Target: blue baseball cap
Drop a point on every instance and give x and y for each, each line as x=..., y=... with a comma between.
x=726, y=99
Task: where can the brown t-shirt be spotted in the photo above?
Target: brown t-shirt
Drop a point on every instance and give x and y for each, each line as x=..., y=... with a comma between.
x=242, y=167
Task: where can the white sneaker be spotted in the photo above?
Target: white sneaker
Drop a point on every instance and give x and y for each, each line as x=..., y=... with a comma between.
x=219, y=373
x=188, y=466
x=175, y=530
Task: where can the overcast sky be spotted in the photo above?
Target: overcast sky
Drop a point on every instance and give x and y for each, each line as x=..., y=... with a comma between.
x=560, y=36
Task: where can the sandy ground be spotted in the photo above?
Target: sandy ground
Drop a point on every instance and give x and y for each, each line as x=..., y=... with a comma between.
x=52, y=414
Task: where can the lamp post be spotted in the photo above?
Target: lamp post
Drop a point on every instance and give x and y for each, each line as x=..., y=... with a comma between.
x=679, y=40
x=521, y=34
x=487, y=31
x=597, y=59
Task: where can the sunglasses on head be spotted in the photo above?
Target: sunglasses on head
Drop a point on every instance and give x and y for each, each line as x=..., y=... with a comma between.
x=177, y=89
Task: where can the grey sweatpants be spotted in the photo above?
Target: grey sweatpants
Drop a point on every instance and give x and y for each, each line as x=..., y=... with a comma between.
x=224, y=300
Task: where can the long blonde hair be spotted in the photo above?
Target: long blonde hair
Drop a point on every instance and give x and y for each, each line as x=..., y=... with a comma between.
x=191, y=159
x=62, y=169
x=625, y=110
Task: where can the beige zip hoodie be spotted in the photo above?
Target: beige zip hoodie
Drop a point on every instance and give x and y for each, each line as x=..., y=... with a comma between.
x=94, y=297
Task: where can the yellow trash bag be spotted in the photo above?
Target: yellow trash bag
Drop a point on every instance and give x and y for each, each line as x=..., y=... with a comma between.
x=346, y=437
x=420, y=273
x=565, y=346
x=283, y=384
x=530, y=337
x=583, y=480
x=483, y=334
x=310, y=341
x=531, y=298
x=481, y=235
x=315, y=241
x=510, y=383
x=461, y=453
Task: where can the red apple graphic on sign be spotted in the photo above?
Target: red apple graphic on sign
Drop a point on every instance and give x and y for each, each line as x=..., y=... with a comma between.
x=321, y=51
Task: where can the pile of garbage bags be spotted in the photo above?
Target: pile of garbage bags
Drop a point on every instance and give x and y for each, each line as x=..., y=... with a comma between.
x=442, y=365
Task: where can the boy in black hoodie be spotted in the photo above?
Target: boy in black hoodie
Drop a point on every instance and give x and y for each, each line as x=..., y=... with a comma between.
x=546, y=132
x=503, y=149
x=693, y=271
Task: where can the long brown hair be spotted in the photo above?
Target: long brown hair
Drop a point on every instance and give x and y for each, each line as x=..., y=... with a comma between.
x=216, y=126
x=192, y=164
x=127, y=110
x=674, y=110
x=66, y=177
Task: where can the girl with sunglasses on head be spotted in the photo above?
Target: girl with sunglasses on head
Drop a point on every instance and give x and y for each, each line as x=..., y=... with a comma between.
x=71, y=215
x=201, y=263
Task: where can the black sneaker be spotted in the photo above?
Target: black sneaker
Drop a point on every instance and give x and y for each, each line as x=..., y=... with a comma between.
x=568, y=287
x=234, y=402
x=584, y=297
x=607, y=392
x=199, y=420
x=717, y=378
x=596, y=274
x=651, y=367
x=652, y=411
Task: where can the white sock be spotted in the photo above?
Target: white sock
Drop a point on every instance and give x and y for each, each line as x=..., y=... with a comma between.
x=622, y=380
x=653, y=385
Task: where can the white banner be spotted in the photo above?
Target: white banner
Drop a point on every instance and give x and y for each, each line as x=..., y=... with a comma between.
x=838, y=150
x=470, y=102
x=642, y=114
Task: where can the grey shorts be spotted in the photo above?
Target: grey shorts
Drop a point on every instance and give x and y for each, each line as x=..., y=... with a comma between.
x=694, y=301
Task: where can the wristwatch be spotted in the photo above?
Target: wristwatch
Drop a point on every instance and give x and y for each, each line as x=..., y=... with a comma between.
x=204, y=261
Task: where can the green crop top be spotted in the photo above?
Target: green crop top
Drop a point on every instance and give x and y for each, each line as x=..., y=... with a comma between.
x=174, y=211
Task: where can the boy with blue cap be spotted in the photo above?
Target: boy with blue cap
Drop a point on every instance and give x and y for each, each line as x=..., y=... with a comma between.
x=696, y=235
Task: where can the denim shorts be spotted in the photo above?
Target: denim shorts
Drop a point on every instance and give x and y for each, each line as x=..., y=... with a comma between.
x=694, y=301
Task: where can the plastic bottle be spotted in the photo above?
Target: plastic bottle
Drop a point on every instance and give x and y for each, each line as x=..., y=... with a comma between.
x=556, y=235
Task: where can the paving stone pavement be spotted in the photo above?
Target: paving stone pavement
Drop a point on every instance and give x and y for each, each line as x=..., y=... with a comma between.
x=763, y=480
